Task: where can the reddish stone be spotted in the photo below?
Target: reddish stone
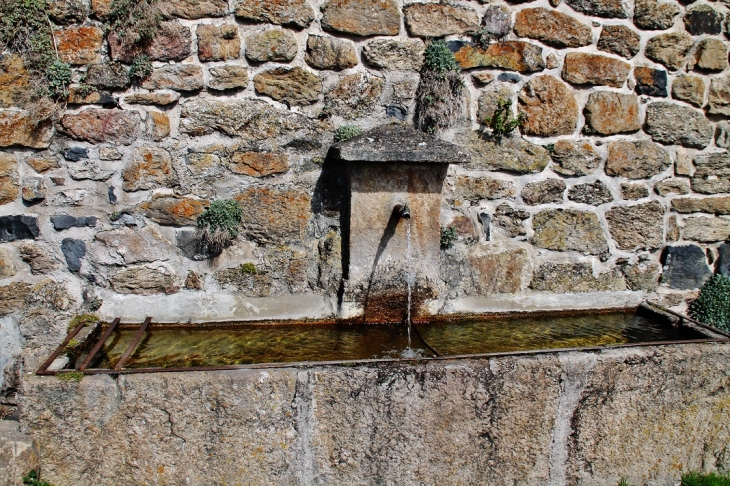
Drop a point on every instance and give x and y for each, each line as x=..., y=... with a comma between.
x=582, y=68
x=608, y=113
x=549, y=107
x=258, y=164
x=552, y=27
x=218, y=43
x=149, y=168
x=173, y=210
x=361, y=17
x=512, y=55
x=18, y=128
x=438, y=19
x=97, y=125
x=275, y=214
x=173, y=42
x=79, y=45
x=13, y=81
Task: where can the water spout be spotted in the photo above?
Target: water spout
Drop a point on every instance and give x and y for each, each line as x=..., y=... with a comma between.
x=404, y=211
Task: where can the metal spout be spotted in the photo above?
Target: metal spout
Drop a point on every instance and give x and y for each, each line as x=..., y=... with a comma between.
x=405, y=212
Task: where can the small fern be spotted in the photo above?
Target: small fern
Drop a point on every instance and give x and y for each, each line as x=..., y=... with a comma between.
x=502, y=122
x=448, y=237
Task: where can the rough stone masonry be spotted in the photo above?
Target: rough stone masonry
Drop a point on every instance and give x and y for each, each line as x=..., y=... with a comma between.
x=616, y=189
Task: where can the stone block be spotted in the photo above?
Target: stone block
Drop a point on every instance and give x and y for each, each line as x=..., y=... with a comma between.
x=641, y=276
x=155, y=98
x=146, y=279
x=669, y=123
x=18, y=227
x=712, y=205
x=33, y=189
x=672, y=186
x=74, y=250
x=498, y=272
x=173, y=210
x=654, y=15
x=512, y=55
x=172, y=42
x=7, y=269
x=13, y=81
x=636, y=159
x=599, y=8
x=574, y=158
x=553, y=28
x=568, y=230
x=97, y=125
x=64, y=221
x=330, y=53
x=126, y=246
x=489, y=101
x=439, y=20
x=294, y=86
x=17, y=127
x=619, y=40
x=594, y=69
x=636, y=227
x=703, y=19
x=543, y=192
x=719, y=98
x=510, y=220
x=549, y=107
x=477, y=188
x=149, y=168
x=79, y=45
x=669, y=49
x=712, y=174
x=572, y=278
x=354, y=95
x=511, y=154
x=193, y=9
x=394, y=55
x=690, y=89
x=111, y=75
x=609, y=113
x=711, y=55
x=289, y=13
x=593, y=193
x=632, y=191
x=228, y=77
x=275, y=214
x=178, y=77
x=706, y=229
x=218, y=42
x=497, y=20
x=685, y=267
x=65, y=12
x=258, y=164
x=650, y=81
x=273, y=45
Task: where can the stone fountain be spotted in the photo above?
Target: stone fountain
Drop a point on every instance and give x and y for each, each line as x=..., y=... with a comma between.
x=392, y=166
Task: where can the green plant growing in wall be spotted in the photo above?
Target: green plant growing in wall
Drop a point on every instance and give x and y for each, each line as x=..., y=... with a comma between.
x=502, y=122
x=712, y=306
x=439, y=97
x=140, y=68
x=711, y=479
x=134, y=22
x=76, y=376
x=448, y=237
x=218, y=224
x=248, y=268
x=33, y=479
x=85, y=319
x=347, y=132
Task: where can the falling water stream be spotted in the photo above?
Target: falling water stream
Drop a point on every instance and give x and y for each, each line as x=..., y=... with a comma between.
x=409, y=279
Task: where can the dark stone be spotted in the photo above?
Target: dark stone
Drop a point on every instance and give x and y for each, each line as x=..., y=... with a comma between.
x=723, y=260
x=74, y=251
x=397, y=111
x=112, y=196
x=74, y=154
x=398, y=142
x=191, y=245
x=595, y=193
x=64, y=221
x=485, y=219
x=509, y=77
x=18, y=227
x=703, y=19
x=650, y=81
x=685, y=267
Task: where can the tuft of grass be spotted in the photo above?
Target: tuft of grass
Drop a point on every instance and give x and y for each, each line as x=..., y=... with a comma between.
x=347, y=132
x=439, y=97
x=218, y=224
x=140, y=68
x=248, y=268
x=712, y=306
x=448, y=237
x=711, y=479
x=134, y=22
x=85, y=319
x=76, y=376
x=502, y=122
x=624, y=482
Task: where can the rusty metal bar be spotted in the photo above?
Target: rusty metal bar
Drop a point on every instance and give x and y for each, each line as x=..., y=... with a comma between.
x=428, y=346
x=60, y=348
x=135, y=341
x=99, y=344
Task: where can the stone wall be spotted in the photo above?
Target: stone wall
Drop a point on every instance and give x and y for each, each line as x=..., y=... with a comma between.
x=616, y=189
x=647, y=414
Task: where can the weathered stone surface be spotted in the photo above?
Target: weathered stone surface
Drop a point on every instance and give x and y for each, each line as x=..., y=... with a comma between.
x=178, y=77
x=685, y=267
x=489, y=100
x=475, y=189
x=145, y=280
x=669, y=123
x=394, y=55
x=126, y=246
x=275, y=214
x=294, y=86
x=722, y=138
x=354, y=95
x=669, y=49
x=73, y=250
x=497, y=20
x=8, y=178
x=79, y=45
x=362, y=18
x=583, y=68
x=40, y=260
x=672, y=229
x=712, y=174
x=257, y=285
x=156, y=98
x=637, y=227
x=228, y=77
x=110, y=75
x=513, y=55
x=595, y=193
x=650, y=81
x=633, y=191
x=619, y=40
x=97, y=125
x=703, y=19
x=172, y=42
x=571, y=278
x=7, y=267
x=706, y=229
x=712, y=205
x=552, y=28
x=19, y=227
x=568, y=230
x=19, y=452
x=173, y=210
x=290, y=13
x=278, y=45
x=641, y=276
x=439, y=20
x=599, y=8
x=101, y=8
x=609, y=113
x=495, y=272
x=512, y=154
x=510, y=220
x=543, y=192
x=653, y=15
x=65, y=221
x=67, y=11
x=13, y=81
x=672, y=186
x=89, y=170
x=690, y=89
x=149, y=168
x=718, y=102
x=33, y=189
x=247, y=119
x=574, y=158
x=192, y=246
x=218, y=42
x=160, y=125
x=636, y=159
x=193, y=9
x=77, y=96
x=41, y=164
x=258, y=164
x=330, y=53
x=75, y=154
x=549, y=107
x=711, y=55
x=17, y=128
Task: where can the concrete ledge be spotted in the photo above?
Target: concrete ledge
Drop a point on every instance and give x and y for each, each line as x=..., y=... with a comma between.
x=647, y=413
x=542, y=301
